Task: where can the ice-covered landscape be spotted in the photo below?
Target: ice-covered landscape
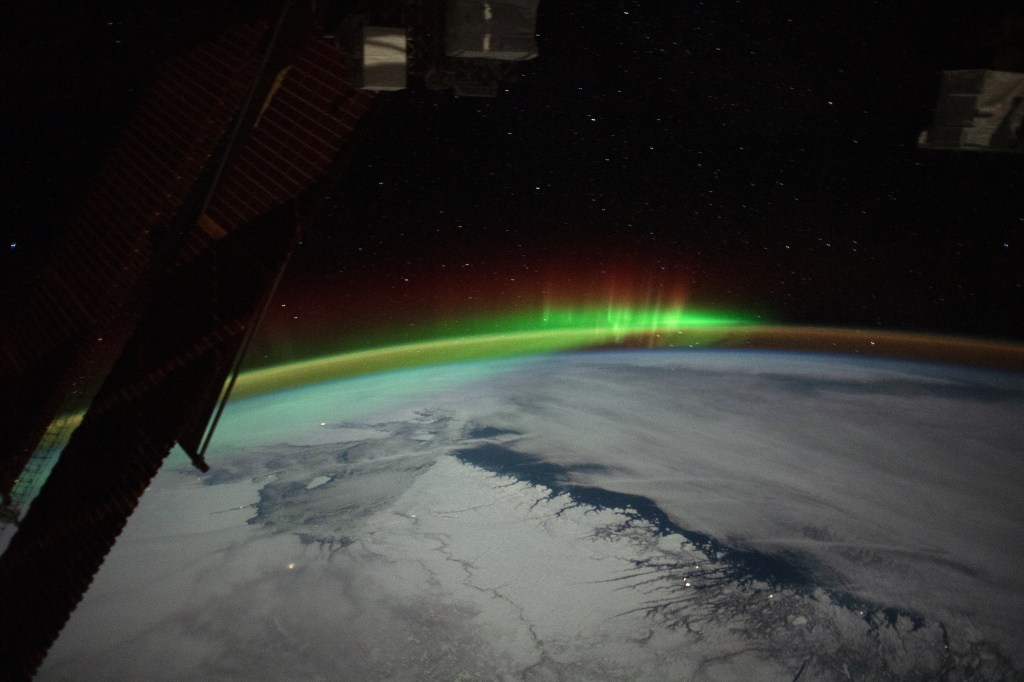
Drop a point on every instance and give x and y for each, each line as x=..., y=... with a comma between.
x=636, y=515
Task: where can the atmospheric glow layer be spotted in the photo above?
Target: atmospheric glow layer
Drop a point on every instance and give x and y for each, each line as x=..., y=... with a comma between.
x=704, y=332
x=554, y=329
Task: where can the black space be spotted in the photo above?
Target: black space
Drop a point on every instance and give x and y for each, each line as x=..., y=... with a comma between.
x=759, y=155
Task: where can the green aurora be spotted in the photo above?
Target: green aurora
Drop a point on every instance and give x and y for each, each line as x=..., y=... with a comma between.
x=557, y=329
x=552, y=329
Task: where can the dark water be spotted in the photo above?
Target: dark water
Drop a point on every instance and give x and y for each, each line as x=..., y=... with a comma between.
x=778, y=570
x=783, y=570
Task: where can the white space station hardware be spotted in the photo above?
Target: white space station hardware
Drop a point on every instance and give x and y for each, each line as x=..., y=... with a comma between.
x=382, y=58
x=978, y=110
x=469, y=46
x=491, y=29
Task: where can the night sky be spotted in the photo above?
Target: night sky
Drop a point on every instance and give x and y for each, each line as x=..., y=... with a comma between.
x=750, y=157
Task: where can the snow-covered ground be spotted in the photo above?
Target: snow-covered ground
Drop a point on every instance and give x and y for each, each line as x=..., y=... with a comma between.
x=642, y=515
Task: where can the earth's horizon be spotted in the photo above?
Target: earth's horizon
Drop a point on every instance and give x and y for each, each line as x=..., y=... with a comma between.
x=714, y=333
